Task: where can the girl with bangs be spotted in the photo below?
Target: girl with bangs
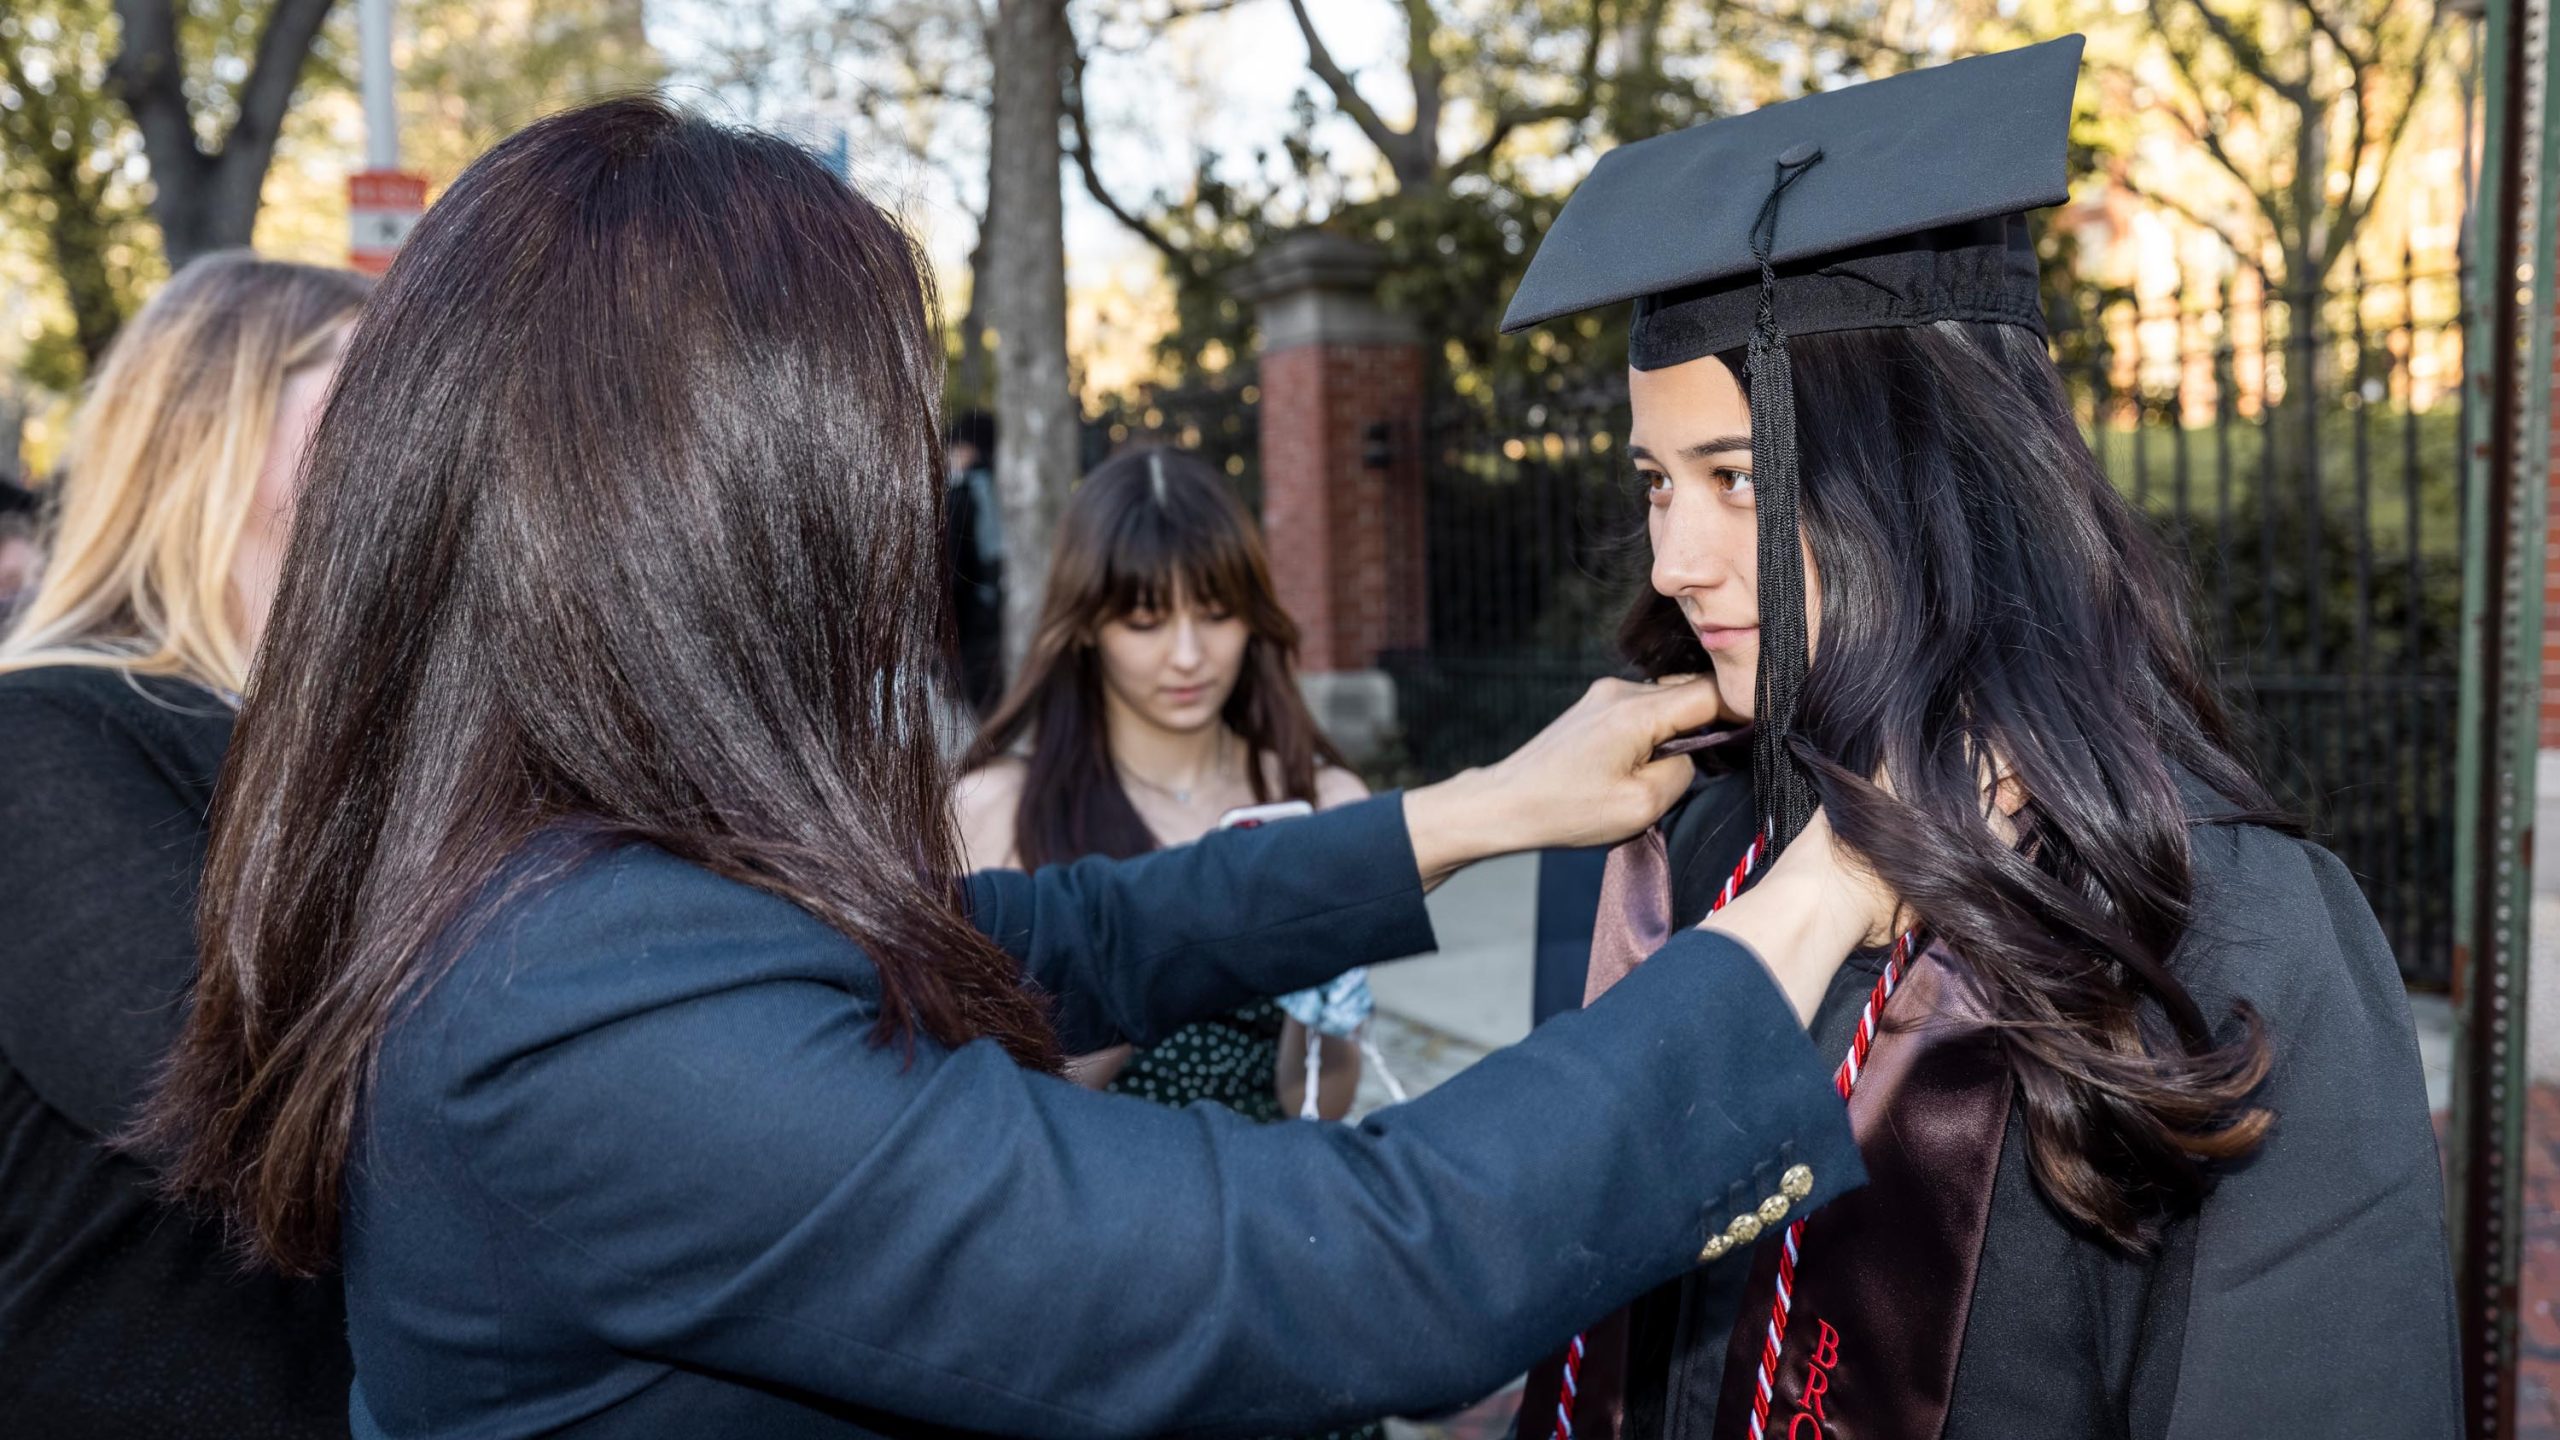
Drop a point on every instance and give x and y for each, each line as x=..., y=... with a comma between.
x=1159, y=694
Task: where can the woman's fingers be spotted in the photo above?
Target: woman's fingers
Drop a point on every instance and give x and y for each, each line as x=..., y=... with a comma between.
x=1595, y=773
x=1591, y=777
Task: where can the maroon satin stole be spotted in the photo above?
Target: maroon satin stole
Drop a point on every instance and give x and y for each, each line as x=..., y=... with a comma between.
x=1884, y=1277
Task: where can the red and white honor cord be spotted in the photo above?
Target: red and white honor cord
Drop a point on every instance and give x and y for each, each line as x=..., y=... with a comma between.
x=1845, y=1080
x=1571, y=1383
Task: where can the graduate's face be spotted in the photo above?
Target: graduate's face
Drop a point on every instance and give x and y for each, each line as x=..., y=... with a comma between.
x=1691, y=444
x=1174, y=667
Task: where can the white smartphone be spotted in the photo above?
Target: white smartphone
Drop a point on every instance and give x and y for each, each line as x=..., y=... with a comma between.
x=1254, y=817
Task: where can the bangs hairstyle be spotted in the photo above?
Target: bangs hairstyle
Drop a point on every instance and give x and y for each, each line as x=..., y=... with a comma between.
x=163, y=466
x=1986, y=592
x=1167, y=541
x=1146, y=531
x=614, y=533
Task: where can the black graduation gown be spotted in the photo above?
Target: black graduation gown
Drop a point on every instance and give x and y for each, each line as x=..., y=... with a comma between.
x=2310, y=1295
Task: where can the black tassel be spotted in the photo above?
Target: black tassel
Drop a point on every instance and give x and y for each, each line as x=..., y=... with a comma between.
x=1780, y=785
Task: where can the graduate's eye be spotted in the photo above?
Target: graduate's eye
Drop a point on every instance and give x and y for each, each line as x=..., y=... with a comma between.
x=1216, y=615
x=1736, y=483
x=1656, y=485
x=1142, y=619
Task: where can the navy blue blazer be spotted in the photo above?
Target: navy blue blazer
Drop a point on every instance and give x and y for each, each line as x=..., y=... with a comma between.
x=634, y=1166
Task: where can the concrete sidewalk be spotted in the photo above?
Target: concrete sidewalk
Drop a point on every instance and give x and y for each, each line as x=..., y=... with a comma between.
x=1440, y=1013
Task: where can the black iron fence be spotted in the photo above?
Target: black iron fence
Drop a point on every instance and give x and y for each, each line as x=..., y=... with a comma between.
x=2305, y=455
x=1535, y=543
x=2302, y=453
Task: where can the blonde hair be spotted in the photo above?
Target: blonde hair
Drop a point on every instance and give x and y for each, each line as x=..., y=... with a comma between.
x=163, y=463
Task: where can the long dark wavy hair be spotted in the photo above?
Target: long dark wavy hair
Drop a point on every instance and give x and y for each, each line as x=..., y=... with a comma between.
x=1987, y=594
x=1142, y=526
x=615, y=527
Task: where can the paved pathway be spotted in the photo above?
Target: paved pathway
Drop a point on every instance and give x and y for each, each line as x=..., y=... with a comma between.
x=1438, y=1014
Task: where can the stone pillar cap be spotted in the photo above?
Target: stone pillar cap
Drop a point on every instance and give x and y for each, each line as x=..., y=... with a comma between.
x=1317, y=288
x=1311, y=260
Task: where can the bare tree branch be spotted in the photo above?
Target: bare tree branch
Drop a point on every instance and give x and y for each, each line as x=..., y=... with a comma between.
x=1586, y=97
x=284, y=42
x=1194, y=10
x=1149, y=26
x=2240, y=250
x=2184, y=60
x=1864, y=45
x=2328, y=27
x=1421, y=159
x=2353, y=211
x=2247, y=53
x=1080, y=147
x=1336, y=79
x=1507, y=121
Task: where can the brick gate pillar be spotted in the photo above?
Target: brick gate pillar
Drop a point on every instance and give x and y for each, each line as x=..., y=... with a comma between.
x=1341, y=419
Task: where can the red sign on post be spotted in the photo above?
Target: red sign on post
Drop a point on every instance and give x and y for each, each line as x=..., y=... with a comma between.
x=382, y=207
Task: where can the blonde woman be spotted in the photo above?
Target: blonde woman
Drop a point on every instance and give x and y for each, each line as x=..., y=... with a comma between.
x=118, y=679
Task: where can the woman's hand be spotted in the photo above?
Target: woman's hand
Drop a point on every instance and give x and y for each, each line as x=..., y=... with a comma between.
x=1816, y=904
x=1589, y=778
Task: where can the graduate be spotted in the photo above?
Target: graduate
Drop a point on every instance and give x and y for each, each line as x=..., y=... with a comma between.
x=2136, y=1090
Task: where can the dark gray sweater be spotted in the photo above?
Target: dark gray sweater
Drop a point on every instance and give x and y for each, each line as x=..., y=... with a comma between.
x=119, y=1316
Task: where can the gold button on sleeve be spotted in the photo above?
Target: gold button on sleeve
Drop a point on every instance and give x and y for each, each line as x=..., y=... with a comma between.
x=1744, y=1229
x=1773, y=1209
x=1797, y=1183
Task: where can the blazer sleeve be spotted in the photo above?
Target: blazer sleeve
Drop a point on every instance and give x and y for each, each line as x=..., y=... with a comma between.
x=729, y=1174
x=2330, y=1241
x=1135, y=949
x=100, y=850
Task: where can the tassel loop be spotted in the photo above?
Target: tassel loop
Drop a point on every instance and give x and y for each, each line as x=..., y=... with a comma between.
x=1781, y=788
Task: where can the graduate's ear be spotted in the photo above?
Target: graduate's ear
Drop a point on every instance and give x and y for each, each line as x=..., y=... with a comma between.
x=2004, y=795
x=2009, y=794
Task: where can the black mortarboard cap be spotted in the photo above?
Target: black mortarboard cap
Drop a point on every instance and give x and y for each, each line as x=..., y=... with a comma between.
x=1897, y=202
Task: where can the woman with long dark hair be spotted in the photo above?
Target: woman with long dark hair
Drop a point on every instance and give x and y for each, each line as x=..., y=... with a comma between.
x=1159, y=695
x=587, y=971
x=2138, y=1089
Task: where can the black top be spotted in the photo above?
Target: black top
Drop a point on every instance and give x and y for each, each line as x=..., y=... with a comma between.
x=119, y=1317
x=2310, y=1296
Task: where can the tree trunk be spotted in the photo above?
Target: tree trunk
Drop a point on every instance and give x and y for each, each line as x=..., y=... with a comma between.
x=972, y=386
x=1026, y=302
x=207, y=201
